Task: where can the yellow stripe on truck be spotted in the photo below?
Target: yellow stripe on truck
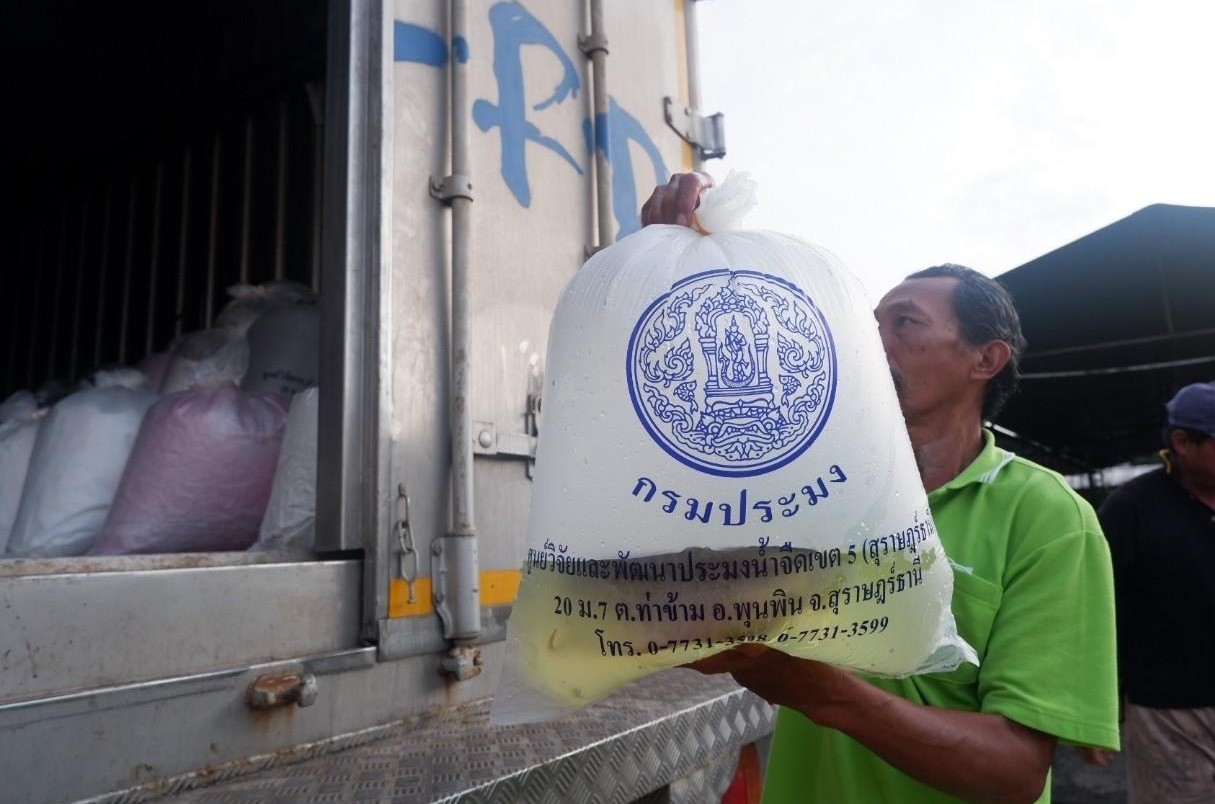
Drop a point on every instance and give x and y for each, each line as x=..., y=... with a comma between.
x=498, y=588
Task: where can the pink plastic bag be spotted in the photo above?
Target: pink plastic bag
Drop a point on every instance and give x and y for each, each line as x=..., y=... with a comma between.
x=199, y=476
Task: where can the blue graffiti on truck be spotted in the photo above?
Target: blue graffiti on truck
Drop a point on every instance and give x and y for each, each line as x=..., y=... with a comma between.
x=621, y=129
x=417, y=44
x=514, y=29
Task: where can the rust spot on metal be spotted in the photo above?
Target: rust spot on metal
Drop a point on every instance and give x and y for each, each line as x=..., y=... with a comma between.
x=290, y=753
x=267, y=721
x=275, y=690
x=268, y=691
x=273, y=698
x=230, y=766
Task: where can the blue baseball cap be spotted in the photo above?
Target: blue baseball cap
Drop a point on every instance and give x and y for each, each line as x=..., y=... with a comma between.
x=1193, y=408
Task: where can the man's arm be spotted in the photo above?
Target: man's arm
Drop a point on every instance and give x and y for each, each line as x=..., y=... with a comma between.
x=972, y=755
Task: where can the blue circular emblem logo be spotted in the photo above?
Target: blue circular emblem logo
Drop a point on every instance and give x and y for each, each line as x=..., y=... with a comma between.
x=733, y=373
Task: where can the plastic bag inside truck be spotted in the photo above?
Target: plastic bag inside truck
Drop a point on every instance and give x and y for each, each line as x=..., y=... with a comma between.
x=278, y=282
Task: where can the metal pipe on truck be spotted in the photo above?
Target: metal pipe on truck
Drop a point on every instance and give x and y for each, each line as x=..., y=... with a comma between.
x=457, y=586
x=595, y=46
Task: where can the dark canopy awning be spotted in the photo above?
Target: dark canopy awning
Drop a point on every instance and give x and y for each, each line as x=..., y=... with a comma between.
x=1116, y=322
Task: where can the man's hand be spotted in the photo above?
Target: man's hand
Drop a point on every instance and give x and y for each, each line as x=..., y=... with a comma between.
x=811, y=687
x=675, y=201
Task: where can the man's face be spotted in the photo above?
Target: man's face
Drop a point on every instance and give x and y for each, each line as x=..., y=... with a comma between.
x=1197, y=460
x=929, y=359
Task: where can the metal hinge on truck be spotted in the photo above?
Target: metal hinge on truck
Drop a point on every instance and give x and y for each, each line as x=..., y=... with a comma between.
x=706, y=134
x=489, y=440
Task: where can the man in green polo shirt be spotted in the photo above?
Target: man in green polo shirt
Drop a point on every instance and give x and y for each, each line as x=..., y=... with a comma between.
x=1033, y=588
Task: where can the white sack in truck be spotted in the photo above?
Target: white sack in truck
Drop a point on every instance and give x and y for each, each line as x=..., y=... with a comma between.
x=199, y=476
x=290, y=520
x=78, y=459
x=723, y=461
x=18, y=405
x=19, y=421
x=249, y=302
x=17, y=435
x=284, y=345
x=221, y=354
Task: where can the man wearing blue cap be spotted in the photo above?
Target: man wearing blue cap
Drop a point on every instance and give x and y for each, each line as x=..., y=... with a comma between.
x=1161, y=530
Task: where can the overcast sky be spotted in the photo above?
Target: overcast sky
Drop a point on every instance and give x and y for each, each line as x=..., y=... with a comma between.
x=905, y=133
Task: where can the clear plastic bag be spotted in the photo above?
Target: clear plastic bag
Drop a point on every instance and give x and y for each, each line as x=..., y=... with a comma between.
x=289, y=523
x=723, y=460
x=206, y=358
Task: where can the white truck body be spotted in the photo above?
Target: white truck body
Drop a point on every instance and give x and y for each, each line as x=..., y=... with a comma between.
x=135, y=677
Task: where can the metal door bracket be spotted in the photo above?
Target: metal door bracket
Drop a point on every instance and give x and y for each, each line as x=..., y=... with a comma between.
x=449, y=187
x=706, y=134
x=593, y=42
x=489, y=440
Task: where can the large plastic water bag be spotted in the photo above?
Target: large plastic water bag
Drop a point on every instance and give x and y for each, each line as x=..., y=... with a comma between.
x=722, y=461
